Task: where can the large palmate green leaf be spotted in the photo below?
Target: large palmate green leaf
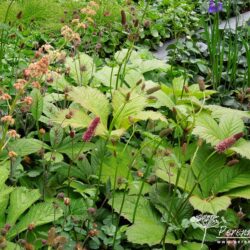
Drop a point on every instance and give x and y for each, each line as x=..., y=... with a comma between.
x=212, y=205
x=212, y=132
x=147, y=228
x=208, y=129
x=81, y=68
x=20, y=200
x=92, y=100
x=39, y=214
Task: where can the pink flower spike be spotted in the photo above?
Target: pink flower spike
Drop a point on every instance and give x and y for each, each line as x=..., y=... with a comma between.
x=87, y=136
x=228, y=142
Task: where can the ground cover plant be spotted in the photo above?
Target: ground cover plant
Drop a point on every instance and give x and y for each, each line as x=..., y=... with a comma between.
x=103, y=146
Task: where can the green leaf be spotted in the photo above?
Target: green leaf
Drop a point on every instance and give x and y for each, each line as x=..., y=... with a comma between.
x=207, y=129
x=20, y=200
x=56, y=136
x=107, y=76
x=4, y=198
x=25, y=146
x=79, y=118
x=37, y=104
x=211, y=205
x=4, y=174
x=230, y=125
x=218, y=111
x=147, y=229
x=121, y=55
x=92, y=100
x=76, y=65
x=192, y=246
x=243, y=192
x=77, y=149
x=78, y=208
x=149, y=115
x=115, y=168
x=12, y=246
x=150, y=65
x=54, y=157
x=123, y=110
x=242, y=147
x=39, y=214
x=232, y=177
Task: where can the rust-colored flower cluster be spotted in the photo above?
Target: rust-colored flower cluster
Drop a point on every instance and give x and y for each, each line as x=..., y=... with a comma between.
x=37, y=69
x=91, y=9
x=71, y=35
x=8, y=119
x=20, y=84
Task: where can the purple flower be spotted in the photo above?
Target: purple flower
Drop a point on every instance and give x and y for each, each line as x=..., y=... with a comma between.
x=87, y=136
x=215, y=7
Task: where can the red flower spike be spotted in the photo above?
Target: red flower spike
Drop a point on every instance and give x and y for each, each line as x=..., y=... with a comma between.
x=87, y=136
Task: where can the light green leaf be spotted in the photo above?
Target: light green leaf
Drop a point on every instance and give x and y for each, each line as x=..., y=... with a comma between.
x=39, y=214
x=211, y=205
x=53, y=157
x=20, y=200
x=121, y=55
x=92, y=100
x=12, y=246
x=25, y=146
x=123, y=110
x=242, y=147
x=218, y=111
x=230, y=125
x=107, y=76
x=79, y=118
x=207, y=129
x=153, y=64
x=149, y=115
x=81, y=67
